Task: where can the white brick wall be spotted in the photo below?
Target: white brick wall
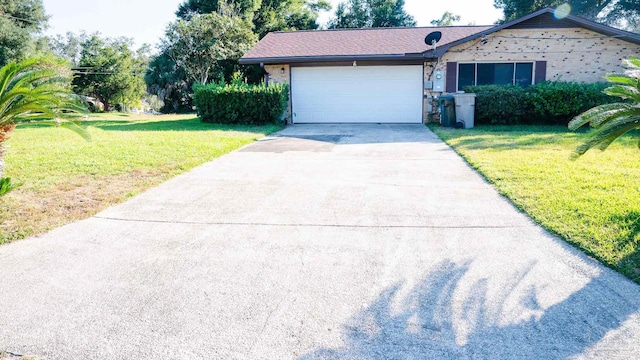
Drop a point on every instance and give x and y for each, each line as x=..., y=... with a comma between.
x=573, y=54
x=281, y=74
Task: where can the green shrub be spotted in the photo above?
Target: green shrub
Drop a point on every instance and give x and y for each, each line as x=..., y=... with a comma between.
x=551, y=102
x=500, y=104
x=557, y=102
x=240, y=103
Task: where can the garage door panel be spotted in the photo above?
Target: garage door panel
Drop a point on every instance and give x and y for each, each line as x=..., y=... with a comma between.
x=357, y=94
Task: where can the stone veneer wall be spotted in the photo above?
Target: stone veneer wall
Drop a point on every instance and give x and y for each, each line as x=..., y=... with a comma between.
x=275, y=75
x=430, y=115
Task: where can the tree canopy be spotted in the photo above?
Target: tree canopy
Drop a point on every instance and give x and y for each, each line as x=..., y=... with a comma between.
x=264, y=15
x=110, y=71
x=20, y=20
x=447, y=19
x=621, y=13
x=199, y=45
x=69, y=46
x=170, y=83
x=371, y=13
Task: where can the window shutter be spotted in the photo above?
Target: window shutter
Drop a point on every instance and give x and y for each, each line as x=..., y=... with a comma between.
x=452, y=80
x=541, y=72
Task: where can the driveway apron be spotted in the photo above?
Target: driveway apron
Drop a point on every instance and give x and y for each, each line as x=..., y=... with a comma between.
x=319, y=242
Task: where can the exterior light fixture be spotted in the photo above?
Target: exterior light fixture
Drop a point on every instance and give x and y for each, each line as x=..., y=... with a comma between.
x=282, y=71
x=355, y=63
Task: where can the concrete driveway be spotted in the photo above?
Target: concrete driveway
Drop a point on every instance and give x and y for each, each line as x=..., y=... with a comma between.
x=323, y=242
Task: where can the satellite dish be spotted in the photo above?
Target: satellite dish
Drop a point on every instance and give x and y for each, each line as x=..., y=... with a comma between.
x=433, y=38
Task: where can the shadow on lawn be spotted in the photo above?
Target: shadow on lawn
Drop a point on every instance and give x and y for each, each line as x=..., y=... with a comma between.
x=521, y=137
x=630, y=264
x=429, y=325
x=496, y=141
x=193, y=124
x=168, y=125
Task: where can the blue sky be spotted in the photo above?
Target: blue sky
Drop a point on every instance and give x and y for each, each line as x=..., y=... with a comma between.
x=145, y=20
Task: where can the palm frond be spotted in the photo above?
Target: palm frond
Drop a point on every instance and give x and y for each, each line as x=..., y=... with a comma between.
x=7, y=185
x=596, y=113
x=614, y=127
x=621, y=79
x=632, y=62
x=30, y=91
x=602, y=139
x=624, y=92
x=612, y=118
x=611, y=121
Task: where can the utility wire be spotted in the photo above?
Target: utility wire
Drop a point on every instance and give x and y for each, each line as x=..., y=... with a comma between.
x=18, y=18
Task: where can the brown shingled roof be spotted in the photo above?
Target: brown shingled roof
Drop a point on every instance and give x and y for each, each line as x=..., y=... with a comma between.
x=352, y=42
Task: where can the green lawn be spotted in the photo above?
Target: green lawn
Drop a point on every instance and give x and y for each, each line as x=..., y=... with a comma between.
x=66, y=178
x=593, y=202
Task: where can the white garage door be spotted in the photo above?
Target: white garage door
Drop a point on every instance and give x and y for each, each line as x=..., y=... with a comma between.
x=360, y=94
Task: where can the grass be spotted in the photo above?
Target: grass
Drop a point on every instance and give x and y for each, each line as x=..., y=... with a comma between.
x=65, y=178
x=593, y=202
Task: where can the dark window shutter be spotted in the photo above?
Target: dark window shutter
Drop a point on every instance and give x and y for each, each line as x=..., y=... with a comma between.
x=541, y=72
x=452, y=81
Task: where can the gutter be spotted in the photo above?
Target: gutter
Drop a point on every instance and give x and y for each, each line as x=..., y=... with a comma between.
x=332, y=58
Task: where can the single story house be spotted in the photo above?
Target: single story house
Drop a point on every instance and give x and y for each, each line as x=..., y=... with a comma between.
x=386, y=75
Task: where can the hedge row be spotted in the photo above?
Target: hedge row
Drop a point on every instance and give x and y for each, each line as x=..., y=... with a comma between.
x=552, y=102
x=240, y=103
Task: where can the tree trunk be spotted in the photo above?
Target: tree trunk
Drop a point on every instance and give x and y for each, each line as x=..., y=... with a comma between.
x=4, y=135
x=1, y=159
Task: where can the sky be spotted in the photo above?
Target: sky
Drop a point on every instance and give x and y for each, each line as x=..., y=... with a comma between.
x=145, y=20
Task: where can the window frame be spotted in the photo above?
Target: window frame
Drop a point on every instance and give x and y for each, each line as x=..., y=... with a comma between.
x=475, y=70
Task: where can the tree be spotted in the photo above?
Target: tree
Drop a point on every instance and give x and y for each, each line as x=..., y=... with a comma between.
x=287, y=15
x=622, y=13
x=68, y=47
x=611, y=121
x=264, y=15
x=371, y=13
x=189, y=8
x=390, y=13
x=354, y=14
x=200, y=46
x=447, y=19
x=110, y=71
x=34, y=90
x=170, y=83
x=20, y=20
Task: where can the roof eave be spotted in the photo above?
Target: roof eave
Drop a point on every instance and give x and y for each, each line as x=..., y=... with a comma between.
x=591, y=25
x=444, y=48
x=607, y=30
x=330, y=58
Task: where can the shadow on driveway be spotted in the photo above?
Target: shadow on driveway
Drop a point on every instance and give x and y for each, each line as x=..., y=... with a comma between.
x=428, y=324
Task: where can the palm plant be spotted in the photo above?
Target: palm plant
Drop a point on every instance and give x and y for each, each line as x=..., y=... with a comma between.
x=33, y=90
x=611, y=121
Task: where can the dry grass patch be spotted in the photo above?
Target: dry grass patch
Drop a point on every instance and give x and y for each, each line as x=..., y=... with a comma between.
x=33, y=211
x=66, y=178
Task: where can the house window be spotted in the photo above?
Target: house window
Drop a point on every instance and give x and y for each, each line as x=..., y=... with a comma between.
x=495, y=74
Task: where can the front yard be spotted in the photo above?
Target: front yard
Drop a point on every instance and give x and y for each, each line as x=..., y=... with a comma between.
x=66, y=178
x=593, y=202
